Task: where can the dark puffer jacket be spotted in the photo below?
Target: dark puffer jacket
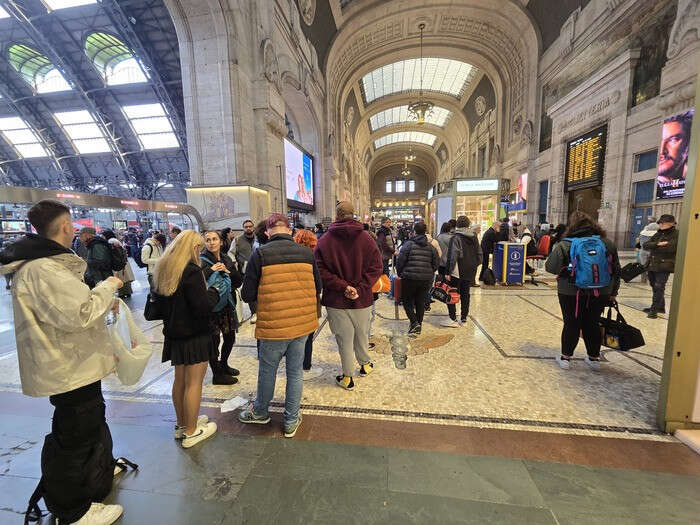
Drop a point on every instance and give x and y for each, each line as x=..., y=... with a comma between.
x=99, y=261
x=662, y=258
x=418, y=260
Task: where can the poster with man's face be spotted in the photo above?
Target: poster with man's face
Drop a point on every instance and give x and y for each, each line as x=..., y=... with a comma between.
x=673, y=156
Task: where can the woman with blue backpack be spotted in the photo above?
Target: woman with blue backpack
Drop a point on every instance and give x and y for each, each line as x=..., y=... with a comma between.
x=588, y=279
x=221, y=272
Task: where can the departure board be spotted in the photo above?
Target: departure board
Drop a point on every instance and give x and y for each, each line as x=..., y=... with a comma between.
x=585, y=160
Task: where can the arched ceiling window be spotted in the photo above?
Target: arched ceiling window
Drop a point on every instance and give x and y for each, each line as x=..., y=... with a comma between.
x=406, y=136
x=53, y=5
x=152, y=125
x=440, y=75
x=22, y=138
x=400, y=115
x=37, y=69
x=113, y=59
x=83, y=131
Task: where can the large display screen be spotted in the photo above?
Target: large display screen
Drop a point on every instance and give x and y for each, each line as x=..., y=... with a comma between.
x=673, y=156
x=585, y=160
x=299, y=175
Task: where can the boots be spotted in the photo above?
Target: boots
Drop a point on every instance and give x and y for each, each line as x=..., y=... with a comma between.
x=220, y=376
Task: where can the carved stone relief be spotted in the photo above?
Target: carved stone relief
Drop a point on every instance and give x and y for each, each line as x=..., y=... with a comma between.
x=480, y=105
x=517, y=124
x=275, y=123
x=687, y=22
x=568, y=33
x=308, y=11
x=350, y=116
x=271, y=67
x=526, y=135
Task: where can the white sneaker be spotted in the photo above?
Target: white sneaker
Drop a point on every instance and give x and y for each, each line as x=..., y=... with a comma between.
x=449, y=323
x=563, y=363
x=100, y=514
x=595, y=365
x=253, y=318
x=200, y=434
x=180, y=431
x=316, y=371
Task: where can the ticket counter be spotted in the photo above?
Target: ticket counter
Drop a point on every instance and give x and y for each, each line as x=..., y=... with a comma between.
x=478, y=199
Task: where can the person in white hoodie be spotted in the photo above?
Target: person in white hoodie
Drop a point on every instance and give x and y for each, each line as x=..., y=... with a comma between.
x=151, y=251
x=64, y=352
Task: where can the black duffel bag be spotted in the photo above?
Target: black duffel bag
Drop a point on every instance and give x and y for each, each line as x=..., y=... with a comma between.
x=632, y=270
x=617, y=334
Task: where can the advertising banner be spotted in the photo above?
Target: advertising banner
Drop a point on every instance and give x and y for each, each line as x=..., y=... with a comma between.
x=673, y=156
x=298, y=166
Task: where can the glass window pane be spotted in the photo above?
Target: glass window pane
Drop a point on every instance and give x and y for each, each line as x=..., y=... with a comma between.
x=411, y=186
x=126, y=72
x=159, y=140
x=21, y=136
x=644, y=191
x=51, y=82
x=400, y=186
x=83, y=131
x=91, y=146
x=74, y=117
x=646, y=161
x=387, y=187
x=11, y=123
x=151, y=125
x=62, y=4
x=144, y=110
x=31, y=150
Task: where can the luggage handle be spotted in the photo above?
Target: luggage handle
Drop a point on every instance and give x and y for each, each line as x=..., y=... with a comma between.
x=620, y=317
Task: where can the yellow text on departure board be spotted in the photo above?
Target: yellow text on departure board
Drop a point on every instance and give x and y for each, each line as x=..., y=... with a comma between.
x=584, y=160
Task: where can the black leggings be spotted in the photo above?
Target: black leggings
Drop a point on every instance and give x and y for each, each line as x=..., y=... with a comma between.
x=462, y=286
x=413, y=297
x=226, y=348
x=590, y=308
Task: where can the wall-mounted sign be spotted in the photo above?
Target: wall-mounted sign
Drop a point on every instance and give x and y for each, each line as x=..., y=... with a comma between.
x=477, y=185
x=673, y=156
x=130, y=203
x=585, y=160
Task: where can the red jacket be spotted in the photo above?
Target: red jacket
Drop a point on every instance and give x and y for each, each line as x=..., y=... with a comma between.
x=346, y=255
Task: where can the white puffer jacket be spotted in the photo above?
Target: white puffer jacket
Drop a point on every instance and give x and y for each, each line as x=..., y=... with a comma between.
x=62, y=340
x=150, y=253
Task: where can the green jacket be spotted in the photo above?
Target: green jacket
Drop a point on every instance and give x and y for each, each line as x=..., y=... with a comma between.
x=662, y=258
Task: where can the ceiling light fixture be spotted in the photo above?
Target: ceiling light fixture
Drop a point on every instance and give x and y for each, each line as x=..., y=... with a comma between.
x=405, y=172
x=410, y=156
x=423, y=108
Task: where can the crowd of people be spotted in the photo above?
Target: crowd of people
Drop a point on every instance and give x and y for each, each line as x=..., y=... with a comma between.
x=64, y=286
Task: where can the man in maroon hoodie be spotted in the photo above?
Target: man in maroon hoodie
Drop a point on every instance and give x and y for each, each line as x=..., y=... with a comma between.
x=349, y=262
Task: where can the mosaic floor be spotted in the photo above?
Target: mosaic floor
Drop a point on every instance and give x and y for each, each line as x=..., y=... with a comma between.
x=497, y=370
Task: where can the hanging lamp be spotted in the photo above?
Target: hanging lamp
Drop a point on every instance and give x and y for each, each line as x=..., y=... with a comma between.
x=423, y=108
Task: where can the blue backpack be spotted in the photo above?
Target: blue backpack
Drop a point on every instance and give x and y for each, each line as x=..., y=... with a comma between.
x=222, y=284
x=590, y=265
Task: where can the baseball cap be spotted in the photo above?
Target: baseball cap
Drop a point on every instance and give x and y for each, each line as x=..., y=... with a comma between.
x=666, y=218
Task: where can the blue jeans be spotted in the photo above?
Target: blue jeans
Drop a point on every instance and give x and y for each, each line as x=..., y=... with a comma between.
x=271, y=352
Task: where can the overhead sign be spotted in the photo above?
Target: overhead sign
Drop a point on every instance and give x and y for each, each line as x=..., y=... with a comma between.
x=477, y=185
x=585, y=160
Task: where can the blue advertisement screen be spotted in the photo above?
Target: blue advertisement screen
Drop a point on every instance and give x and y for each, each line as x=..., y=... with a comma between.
x=299, y=175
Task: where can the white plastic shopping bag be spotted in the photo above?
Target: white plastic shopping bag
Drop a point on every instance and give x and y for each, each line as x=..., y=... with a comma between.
x=132, y=350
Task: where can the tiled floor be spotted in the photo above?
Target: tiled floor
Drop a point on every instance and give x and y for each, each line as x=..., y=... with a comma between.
x=480, y=427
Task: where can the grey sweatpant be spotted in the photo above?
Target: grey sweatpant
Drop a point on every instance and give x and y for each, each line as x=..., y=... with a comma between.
x=351, y=331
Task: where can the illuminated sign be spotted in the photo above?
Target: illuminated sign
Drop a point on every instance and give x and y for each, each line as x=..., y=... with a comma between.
x=477, y=185
x=585, y=160
x=130, y=203
x=67, y=196
x=171, y=206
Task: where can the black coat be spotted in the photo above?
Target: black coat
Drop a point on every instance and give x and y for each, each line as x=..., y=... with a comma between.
x=465, y=253
x=99, y=261
x=489, y=241
x=662, y=258
x=190, y=306
x=418, y=260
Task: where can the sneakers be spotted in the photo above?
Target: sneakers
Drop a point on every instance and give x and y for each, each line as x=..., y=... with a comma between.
x=180, y=431
x=291, y=430
x=593, y=363
x=224, y=379
x=200, y=434
x=253, y=318
x=345, y=382
x=366, y=370
x=563, y=362
x=312, y=373
x=100, y=514
x=248, y=416
x=449, y=323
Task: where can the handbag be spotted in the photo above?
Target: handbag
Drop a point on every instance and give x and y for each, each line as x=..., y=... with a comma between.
x=132, y=350
x=154, y=309
x=444, y=293
x=632, y=270
x=617, y=334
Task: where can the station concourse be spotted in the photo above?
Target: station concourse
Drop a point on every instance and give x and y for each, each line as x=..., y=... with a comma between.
x=244, y=120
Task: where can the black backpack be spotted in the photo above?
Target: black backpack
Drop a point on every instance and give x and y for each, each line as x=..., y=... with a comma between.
x=119, y=259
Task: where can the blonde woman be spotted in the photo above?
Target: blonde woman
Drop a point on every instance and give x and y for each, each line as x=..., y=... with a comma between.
x=188, y=343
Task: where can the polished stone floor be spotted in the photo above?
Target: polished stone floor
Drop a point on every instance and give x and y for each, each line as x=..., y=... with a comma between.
x=480, y=427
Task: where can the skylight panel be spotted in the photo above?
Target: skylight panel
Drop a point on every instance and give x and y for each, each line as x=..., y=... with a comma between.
x=114, y=59
x=83, y=131
x=22, y=138
x=36, y=69
x=400, y=115
x=405, y=136
x=152, y=126
x=3, y=13
x=440, y=75
x=54, y=5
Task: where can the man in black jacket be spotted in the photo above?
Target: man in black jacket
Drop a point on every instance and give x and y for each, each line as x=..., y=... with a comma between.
x=662, y=247
x=417, y=263
x=488, y=246
x=463, y=258
x=99, y=257
x=387, y=246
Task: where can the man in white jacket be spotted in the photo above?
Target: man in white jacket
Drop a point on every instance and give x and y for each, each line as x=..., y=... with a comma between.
x=64, y=351
x=151, y=251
